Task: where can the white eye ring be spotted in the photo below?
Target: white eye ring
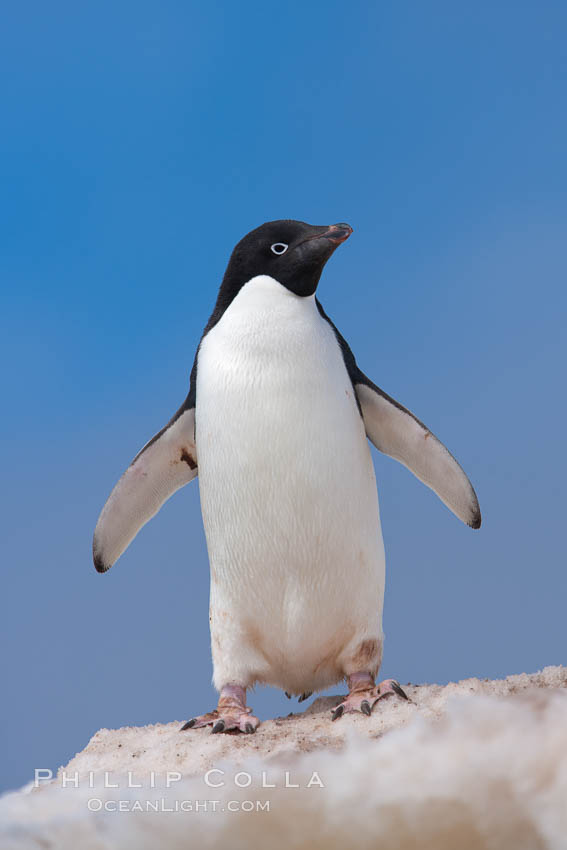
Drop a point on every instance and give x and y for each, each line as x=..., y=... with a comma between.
x=279, y=248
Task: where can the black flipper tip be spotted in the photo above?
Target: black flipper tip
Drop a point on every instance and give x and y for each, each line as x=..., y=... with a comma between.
x=99, y=563
x=188, y=725
x=218, y=727
x=365, y=707
x=476, y=521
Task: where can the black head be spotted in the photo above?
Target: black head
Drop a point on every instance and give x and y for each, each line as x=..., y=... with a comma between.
x=291, y=252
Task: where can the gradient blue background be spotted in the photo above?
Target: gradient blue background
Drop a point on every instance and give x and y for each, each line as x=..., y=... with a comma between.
x=139, y=142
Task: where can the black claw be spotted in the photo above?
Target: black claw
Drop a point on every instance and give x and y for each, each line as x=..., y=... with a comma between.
x=189, y=724
x=399, y=691
x=305, y=696
x=218, y=727
x=338, y=712
x=287, y=695
x=249, y=729
x=365, y=707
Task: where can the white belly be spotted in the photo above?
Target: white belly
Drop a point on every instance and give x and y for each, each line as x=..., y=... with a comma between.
x=288, y=496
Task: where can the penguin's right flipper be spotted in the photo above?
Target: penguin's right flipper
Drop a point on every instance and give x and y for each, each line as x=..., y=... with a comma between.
x=166, y=463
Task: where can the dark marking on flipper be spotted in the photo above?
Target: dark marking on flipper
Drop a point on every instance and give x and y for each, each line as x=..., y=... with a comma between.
x=218, y=727
x=189, y=724
x=186, y=457
x=249, y=729
x=365, y=707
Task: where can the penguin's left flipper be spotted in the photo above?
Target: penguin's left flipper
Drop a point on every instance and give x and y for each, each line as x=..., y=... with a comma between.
x=395, y=431
x=166, y=463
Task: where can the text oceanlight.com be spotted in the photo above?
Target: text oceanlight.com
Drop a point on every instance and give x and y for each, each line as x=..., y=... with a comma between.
x=95, y=804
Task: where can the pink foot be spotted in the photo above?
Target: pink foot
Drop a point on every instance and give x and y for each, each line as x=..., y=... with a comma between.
x=364, y=694
x=231, y=714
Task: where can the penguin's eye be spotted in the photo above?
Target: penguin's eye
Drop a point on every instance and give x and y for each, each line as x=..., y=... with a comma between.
x=279, y=247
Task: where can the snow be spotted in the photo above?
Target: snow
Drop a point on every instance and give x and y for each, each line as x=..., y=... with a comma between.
x=471, y=764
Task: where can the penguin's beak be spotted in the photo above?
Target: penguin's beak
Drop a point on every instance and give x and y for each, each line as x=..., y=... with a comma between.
x=336, y=233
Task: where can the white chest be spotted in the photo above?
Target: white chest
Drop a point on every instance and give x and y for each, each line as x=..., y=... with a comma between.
x=285, y=472
x=274, y=400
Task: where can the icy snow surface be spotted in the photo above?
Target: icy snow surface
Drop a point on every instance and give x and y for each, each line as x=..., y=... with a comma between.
x=471, y=764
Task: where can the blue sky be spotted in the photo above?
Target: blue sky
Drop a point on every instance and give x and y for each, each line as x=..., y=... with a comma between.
x=140, y=141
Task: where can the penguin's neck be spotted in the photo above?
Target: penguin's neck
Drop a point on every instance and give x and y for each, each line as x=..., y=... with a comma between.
x=265, y=294
x=265, y=316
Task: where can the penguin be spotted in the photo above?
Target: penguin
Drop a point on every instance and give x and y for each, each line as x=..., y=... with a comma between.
x=276, y=425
